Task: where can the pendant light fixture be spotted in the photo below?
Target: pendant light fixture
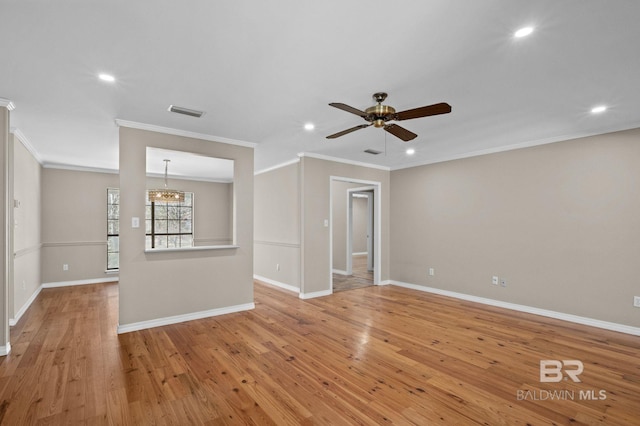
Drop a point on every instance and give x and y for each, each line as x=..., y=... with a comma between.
x=166, y=195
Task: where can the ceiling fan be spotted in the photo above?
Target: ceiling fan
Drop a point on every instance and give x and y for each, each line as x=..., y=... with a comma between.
x=379, y=114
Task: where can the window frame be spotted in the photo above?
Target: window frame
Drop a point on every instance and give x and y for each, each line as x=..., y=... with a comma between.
x=151, y=222
x=114, y=221
x=110, y=234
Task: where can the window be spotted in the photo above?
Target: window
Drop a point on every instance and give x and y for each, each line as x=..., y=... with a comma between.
x=113, y=228
x=167, y=225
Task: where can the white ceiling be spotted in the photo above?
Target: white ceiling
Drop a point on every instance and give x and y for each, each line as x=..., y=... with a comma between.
x=260, y=70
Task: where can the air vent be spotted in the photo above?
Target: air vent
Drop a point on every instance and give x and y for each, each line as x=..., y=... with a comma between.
x=372, y=151
x=185, y=111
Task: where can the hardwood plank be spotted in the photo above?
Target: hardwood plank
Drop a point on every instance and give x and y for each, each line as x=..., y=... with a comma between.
x=359, y=278
x=375, y=355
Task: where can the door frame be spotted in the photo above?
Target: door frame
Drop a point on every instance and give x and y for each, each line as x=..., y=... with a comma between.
x=377, y=225
x=370, y=192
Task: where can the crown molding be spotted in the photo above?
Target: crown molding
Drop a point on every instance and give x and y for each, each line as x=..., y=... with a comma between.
x=25, y=142
x=185, y=133
x=6, y=103
x=513, y=147
x=191, y=178
x=277, y=166
x=73, y=168
x=342, y=160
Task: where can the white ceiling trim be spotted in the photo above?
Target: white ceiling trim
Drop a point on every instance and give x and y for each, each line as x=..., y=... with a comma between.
x=277, y=166
x=185, y=133
x=342, y=160
x=191, y=178
x=25, y=142
x=70, y=167
x=7, y=104
x=513, y=147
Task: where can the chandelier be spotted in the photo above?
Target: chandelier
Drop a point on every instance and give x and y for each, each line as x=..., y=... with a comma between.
x=166, y=195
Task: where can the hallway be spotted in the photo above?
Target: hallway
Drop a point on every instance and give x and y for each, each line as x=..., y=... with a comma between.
x=359, y=279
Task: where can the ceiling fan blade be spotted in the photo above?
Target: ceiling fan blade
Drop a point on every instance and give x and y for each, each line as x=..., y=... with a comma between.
x=344, y=132
x=425, y=111
x=348, y=108
x=400, y=132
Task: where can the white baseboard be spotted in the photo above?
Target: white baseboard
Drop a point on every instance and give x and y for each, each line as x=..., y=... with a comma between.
x=360, y=253
x=339, y=271
x=4, y=350
x=385, y=282
x=622, y=328
x=315, y=294
x=80, y=282
x=142, y=325
x=18, y=315
x=14, y=321
x=277, y=283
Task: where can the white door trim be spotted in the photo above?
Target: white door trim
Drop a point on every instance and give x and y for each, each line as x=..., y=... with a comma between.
x=377, y=225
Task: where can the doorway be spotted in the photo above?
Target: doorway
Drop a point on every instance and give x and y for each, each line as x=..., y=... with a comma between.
x=355, y=233
x=360, y=236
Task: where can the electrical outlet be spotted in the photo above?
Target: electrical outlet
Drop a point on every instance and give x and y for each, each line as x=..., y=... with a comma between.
x=636, y=301
x=503, y=282
x=65, y=267
x=495, y=280
x=432, y=272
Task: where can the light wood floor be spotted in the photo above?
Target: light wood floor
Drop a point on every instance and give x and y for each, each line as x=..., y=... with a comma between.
x=378, y=355
x=360, y=278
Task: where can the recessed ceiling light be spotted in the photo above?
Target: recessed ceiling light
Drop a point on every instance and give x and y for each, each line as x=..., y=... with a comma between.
x=107, y=77
x=523, y=32
x=309, y=126
x=410, y=151
x=598, y=109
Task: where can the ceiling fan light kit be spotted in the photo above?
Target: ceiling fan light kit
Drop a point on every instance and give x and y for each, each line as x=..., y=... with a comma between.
x=379, y=114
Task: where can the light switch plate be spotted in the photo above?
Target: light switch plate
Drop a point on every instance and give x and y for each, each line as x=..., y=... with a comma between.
x=135, y=222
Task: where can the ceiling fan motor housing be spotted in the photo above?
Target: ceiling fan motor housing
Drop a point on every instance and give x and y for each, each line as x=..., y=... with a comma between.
x=379, y=114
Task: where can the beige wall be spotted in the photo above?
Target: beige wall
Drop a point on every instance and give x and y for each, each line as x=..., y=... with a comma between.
x=27, y=230
x=559, y=222
x=74, y=224
x=212, y=210
x=360, y=213
x=277, y=225
x=160, y=285
x=316, y=175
